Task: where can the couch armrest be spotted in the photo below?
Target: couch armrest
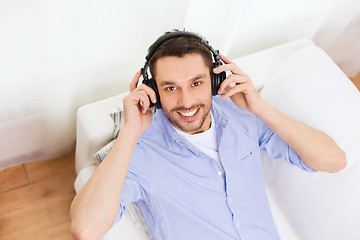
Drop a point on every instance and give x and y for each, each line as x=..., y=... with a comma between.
x=91, y=135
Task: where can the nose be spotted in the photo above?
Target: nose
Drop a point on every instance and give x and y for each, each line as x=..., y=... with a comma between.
x=186, y=99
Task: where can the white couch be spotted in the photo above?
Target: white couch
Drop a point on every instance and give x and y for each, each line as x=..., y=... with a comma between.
x=300, y=80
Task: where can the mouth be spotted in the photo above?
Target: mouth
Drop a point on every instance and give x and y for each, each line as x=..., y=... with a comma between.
x=189, y=115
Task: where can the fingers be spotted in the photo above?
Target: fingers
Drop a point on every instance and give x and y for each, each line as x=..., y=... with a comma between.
x=231, y=80
x=149, y=91
x=225, y=59
x=139, y=96
x=138, y=100
x=142, y=94
x=233, y=90
x=228, y=66
x=143, y=101
x=134, y=82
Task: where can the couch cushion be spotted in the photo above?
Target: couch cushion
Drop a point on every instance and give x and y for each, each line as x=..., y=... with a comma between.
x=311, y=88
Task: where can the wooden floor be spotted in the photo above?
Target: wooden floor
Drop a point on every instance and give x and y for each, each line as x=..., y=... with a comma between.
x=35, y=198
x=356, y=80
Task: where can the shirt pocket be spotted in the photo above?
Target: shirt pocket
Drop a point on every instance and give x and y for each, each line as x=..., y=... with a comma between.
x=247, y=154
x=249, y=163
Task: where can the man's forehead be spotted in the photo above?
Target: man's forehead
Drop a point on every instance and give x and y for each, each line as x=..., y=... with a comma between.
x=170, y=68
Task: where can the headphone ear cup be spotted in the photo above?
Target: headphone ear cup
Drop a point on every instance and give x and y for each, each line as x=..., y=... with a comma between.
x=216, y=80
x=152, y=84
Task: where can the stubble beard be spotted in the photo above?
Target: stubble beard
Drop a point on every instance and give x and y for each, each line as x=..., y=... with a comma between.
x=188, y=126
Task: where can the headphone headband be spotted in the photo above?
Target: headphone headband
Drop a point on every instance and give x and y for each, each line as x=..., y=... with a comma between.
x=171, y=35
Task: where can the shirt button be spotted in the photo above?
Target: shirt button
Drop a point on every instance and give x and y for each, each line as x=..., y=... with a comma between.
x=230, y=199
x=219, y=173
x=238, y=225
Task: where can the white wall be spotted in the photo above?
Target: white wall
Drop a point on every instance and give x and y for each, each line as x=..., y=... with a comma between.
x=58, y=55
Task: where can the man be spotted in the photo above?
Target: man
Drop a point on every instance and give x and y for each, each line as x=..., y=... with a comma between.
x=194, y=167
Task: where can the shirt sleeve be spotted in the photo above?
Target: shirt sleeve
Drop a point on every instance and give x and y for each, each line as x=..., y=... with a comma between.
x=278, y=148
x=134, y=185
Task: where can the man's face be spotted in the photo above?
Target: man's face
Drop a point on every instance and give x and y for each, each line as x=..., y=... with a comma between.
x=185, y=91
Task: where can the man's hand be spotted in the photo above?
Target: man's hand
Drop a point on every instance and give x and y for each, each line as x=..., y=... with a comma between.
x=138, y=115
x=239, y=87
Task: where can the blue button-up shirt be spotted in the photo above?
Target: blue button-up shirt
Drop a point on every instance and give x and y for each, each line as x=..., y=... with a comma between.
x=184, y=194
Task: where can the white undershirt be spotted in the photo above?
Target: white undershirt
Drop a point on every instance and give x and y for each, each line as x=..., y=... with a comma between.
x=206, y=141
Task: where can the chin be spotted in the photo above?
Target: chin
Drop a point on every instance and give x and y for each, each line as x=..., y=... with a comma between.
x=190, y=124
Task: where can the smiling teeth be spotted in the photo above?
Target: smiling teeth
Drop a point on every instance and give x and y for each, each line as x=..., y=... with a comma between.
x=189, y=114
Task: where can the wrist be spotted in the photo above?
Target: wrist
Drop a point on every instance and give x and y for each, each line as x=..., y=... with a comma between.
x=130, y=133
x=270, y=115
x=262, y=109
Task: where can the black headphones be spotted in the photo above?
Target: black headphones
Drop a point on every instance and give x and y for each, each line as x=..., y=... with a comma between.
x=216, y=79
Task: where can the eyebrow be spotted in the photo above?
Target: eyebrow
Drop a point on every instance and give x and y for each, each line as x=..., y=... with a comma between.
x=193, y=79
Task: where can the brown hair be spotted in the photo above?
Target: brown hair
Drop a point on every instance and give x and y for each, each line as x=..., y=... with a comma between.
x=179, y=47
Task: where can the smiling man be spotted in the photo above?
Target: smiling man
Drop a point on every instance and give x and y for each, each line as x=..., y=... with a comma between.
x=193, y=167
x=186, y=96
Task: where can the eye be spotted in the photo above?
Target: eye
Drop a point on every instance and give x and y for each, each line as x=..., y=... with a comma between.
x=170, y=89
x=196, y=84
